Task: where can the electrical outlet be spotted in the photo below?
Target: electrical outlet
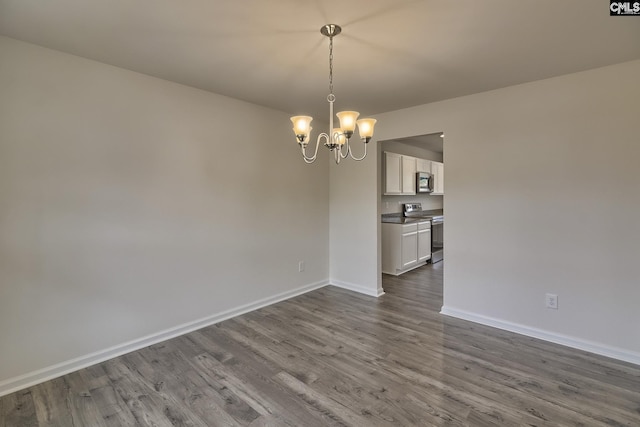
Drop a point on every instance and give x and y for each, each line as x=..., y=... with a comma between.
x=551, y=301
x=300, y=266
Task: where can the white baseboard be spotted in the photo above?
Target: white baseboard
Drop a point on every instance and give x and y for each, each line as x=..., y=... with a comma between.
x=573, y=342
x=41, y=375
x=357, y=288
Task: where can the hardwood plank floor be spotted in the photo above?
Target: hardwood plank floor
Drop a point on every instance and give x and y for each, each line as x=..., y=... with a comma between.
x=338, y=358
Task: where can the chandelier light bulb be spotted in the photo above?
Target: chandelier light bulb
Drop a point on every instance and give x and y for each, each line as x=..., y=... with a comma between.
x=301, y=127
x=338, y=136
x=365, y=127
x=348, y=122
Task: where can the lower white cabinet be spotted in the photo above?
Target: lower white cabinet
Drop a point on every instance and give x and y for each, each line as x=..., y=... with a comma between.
x=424, y=241
x=405, y=246
x=409, y=242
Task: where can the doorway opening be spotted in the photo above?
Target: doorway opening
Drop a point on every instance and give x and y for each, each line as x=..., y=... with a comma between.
x=403, y=164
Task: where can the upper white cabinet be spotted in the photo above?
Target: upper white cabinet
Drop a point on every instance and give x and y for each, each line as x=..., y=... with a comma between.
x=437, y=170
x=408, y=175
x=400, y=174
x=423, y=165
x=393, y=173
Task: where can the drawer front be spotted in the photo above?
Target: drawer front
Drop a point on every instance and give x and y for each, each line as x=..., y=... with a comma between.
x=408, y=228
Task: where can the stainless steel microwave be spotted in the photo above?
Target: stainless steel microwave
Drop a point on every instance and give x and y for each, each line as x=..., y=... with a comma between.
x=424, y=182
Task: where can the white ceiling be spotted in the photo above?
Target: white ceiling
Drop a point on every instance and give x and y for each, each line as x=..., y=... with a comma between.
x=391, y=54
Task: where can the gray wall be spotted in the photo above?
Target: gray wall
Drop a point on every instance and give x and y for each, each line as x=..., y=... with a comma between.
x=130, y=206
x=541, y=196
x=353, y=216
x=119, y=221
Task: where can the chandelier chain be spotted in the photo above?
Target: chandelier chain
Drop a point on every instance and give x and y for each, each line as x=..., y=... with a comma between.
x=331, y=65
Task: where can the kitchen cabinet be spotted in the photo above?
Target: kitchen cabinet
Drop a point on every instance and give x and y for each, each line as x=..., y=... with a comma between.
x=437, y=170
x=424, y=241
x=400, y=174
x=393, y=173
x=409, y=242
x=423, y=165
x=405, y=246
x=408, y=175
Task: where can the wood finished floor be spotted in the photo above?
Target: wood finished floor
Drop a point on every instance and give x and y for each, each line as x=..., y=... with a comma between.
x=338, y=358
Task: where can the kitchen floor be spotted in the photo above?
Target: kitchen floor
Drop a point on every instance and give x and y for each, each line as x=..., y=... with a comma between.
x=338, y=358
x=423, y=284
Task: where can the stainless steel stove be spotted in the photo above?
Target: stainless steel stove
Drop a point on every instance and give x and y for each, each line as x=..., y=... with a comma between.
x=437, y=238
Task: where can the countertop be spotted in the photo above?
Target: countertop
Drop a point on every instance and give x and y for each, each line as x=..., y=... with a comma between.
x=397, y=218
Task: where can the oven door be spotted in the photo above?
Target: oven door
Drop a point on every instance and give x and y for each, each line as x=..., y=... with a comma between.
x=437, y=240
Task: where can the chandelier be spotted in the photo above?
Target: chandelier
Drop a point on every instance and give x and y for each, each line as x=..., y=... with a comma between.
x=337, y=140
